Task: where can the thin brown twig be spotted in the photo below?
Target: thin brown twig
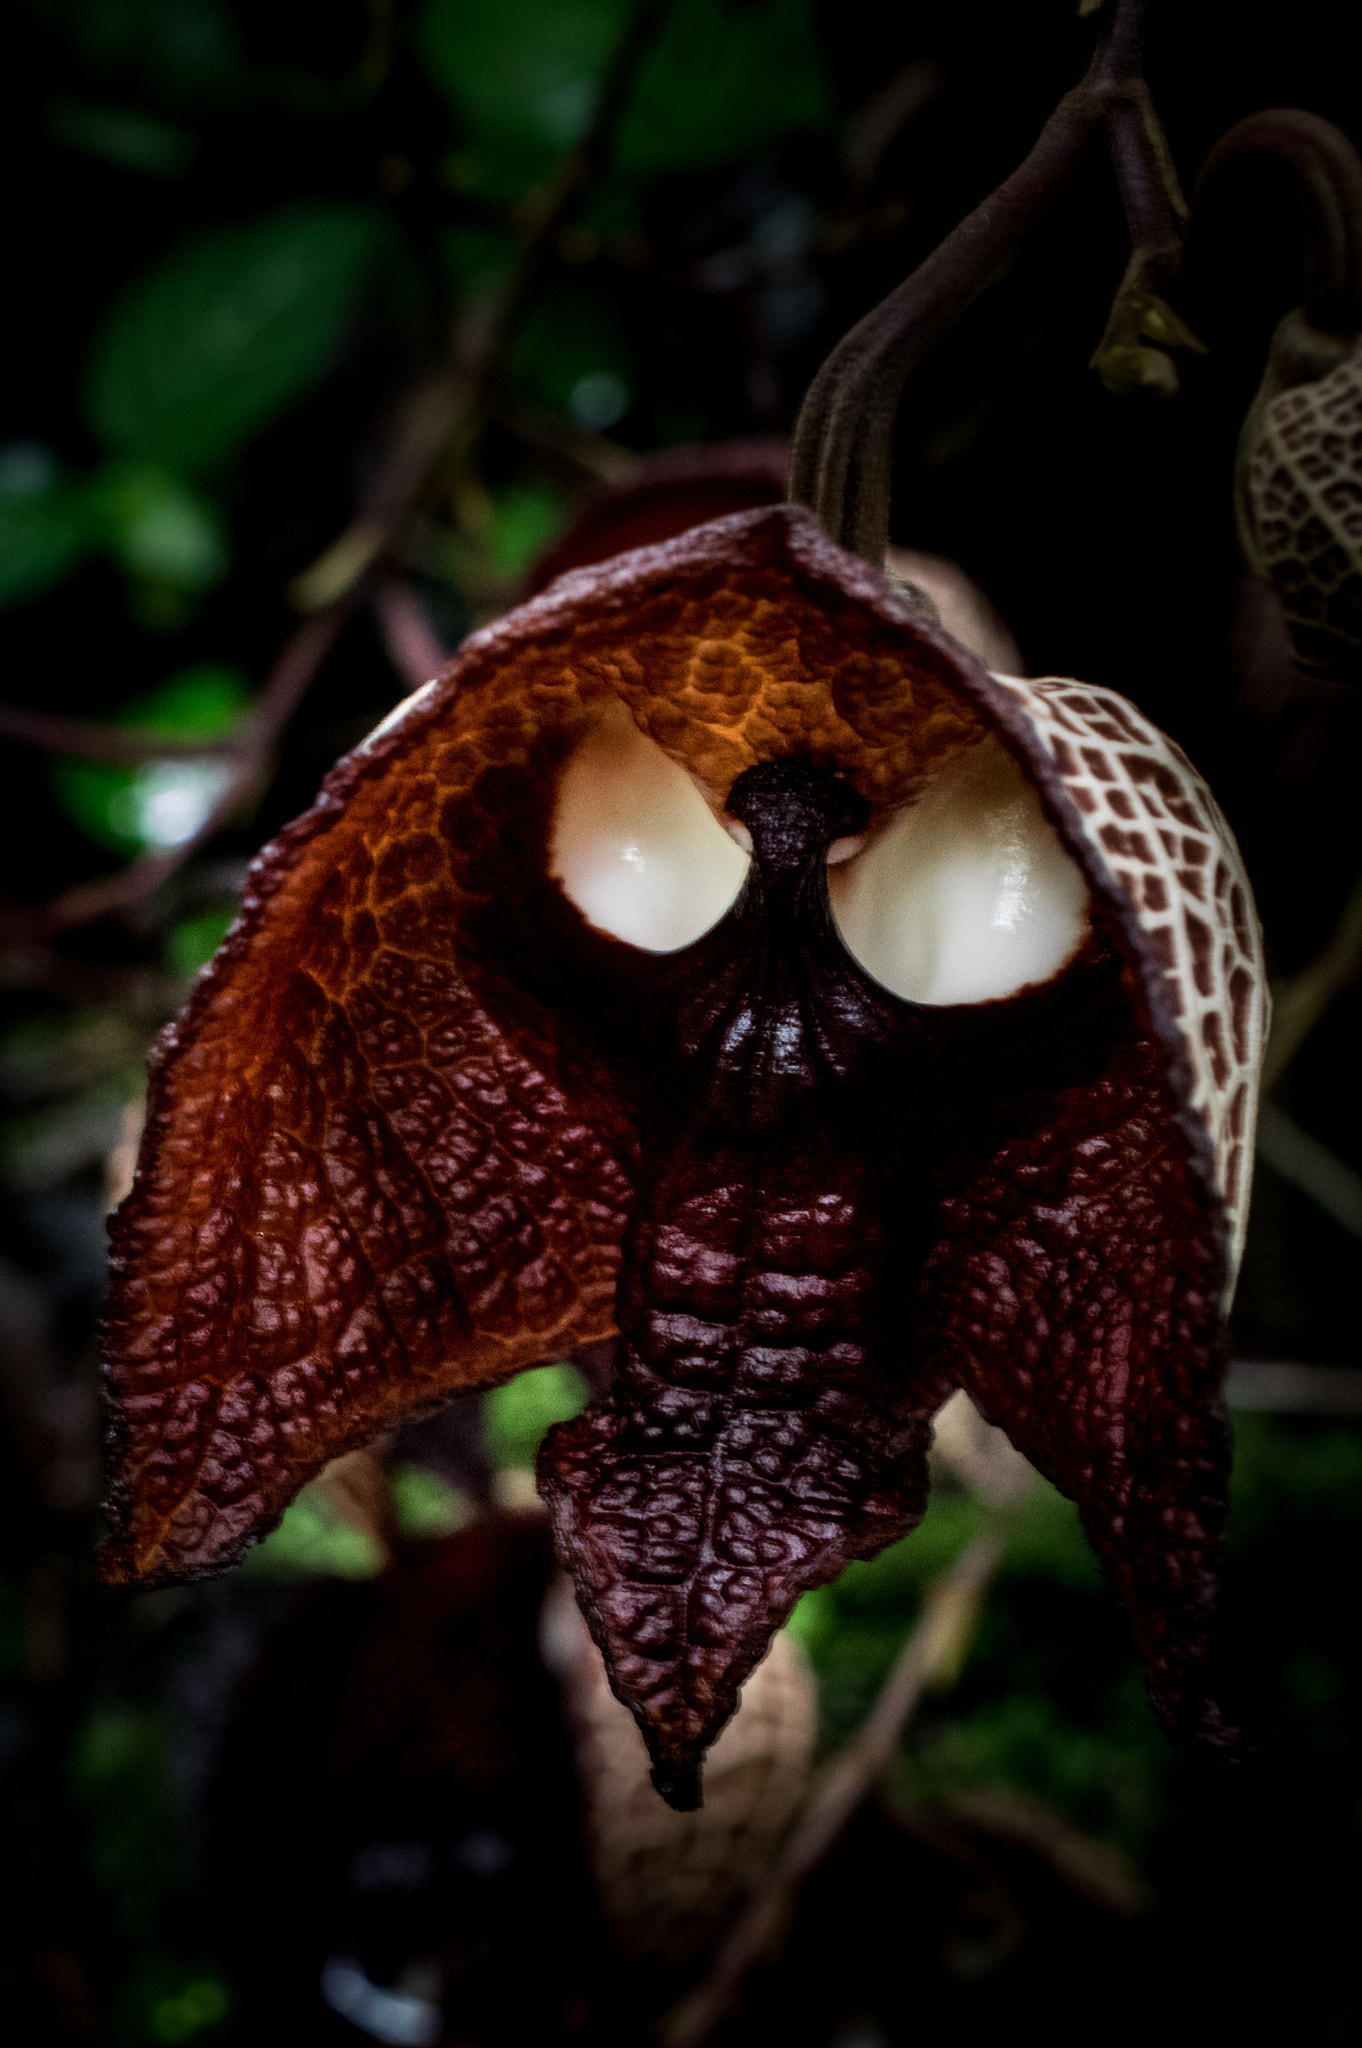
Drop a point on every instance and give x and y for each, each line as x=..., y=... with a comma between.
x=949, y=1616
x=1298, y=1004
x=480, y=344
x=412, y=647
x=93, y=741
x=301, y=657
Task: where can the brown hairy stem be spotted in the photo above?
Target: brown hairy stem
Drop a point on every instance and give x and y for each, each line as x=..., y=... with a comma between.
x=843, y=445
x=843, y=448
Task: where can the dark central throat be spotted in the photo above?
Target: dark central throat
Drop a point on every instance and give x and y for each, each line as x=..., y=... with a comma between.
x=760, y=1429
x=769, y=1008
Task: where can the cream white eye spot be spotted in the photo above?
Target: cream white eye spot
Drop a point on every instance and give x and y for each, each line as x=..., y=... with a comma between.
x=635, y=845
x=967, y=895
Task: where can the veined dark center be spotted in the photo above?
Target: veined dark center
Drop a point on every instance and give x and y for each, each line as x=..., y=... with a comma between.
x=753, y=1439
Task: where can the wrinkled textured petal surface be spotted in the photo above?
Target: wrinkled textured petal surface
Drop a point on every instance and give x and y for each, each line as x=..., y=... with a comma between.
x=420, y=1118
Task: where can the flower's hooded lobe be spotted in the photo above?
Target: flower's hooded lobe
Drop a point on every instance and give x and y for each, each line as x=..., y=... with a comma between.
x=421, y=1116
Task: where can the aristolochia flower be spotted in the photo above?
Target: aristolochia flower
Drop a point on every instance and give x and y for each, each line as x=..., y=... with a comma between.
x=715, y=957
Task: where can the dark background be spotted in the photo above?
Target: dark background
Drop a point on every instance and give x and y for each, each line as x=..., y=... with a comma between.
x=693, y=291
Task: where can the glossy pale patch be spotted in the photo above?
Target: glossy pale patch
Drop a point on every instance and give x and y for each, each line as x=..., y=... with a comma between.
x=965, y=896
x=635, y=845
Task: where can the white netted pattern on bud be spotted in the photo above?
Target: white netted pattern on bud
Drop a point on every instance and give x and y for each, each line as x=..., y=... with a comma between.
x=1159, y=833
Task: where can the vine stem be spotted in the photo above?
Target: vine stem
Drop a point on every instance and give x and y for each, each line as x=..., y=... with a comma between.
x=1328, y=178
x=933, y=1649
x=94, y=741
x=843, y=448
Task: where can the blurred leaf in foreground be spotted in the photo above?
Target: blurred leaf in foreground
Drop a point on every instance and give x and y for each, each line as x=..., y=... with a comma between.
x=192, y=942
x=519, y=1414
x=118, y=135
x=45, y=525
x=157, y=528
x=158, y=803
x=207, y=348
x=316, y=1540
x=721, y=82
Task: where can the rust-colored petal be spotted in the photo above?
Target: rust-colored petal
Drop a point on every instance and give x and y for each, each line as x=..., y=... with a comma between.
x=366, y=1182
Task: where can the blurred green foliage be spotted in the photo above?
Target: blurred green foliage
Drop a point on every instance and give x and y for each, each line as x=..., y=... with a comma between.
x=157, y=803
x=517, y=1415
x=525, y=518
x=573, y=333
x=203, y=351
x=257, y=227
x=44, y=524
x=721, y=80
x=192, y=942
x=425, y=1506
x=315, y=1540
x=119, y=1779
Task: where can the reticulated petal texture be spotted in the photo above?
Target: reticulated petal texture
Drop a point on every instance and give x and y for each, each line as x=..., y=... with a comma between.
x=438, y=1112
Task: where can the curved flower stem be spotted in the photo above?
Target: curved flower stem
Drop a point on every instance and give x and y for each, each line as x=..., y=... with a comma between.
x=843, y=444
x=950, y=1613
x=1328, y=178
x=843, y=448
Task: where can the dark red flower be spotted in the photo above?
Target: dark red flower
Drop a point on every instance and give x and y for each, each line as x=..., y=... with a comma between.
x=942, y=1076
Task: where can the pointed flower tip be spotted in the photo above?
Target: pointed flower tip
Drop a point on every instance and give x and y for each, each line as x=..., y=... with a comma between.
x=679, y=1785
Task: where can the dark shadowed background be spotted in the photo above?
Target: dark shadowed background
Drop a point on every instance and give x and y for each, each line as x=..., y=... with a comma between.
x=240, y=241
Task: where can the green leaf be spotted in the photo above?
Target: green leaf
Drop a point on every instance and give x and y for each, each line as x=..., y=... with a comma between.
x=118, y=1765
x=721, y=82
x=117, y=135
x=158, y=803
x=205, y=350
x=571, y=336
x=525, y=518
x=157, y=528
x=199, y=2003
x=523, y=78
x=44, y=522
x=192, y=942
x=314, y=1541
x=425, y=1506
x=478, y=259
x=518, y=1415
